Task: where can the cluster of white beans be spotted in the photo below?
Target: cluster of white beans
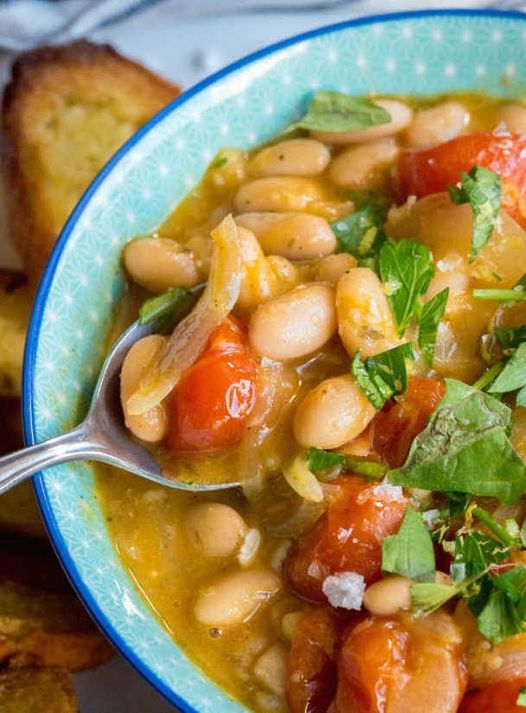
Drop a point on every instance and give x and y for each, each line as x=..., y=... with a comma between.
x=291, y=317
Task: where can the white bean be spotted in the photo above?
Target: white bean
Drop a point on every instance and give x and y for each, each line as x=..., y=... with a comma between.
x=388, y=596
x=296, y=236
x=332, y=267
x=214, y=529
x=159, y=263
x=333, y=412
x=362, y=167
x=295, y=157
x=294, y=324
x=279, y=193
x=271, y=669
x=514, y=116
x=365, y=321
x=401, y=116
x=434, y=126
x=152, y=425
x=235, y=598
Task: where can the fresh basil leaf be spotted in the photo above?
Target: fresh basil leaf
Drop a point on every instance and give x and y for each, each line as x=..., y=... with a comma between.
x=319, y=460
x=521, y=398
x=489, y=376
x=427, y=597
x=474, y=552
x=432, y=313
x=481, y=188
x=502, y=617
x=174, y=304
x=513, y=583
x=521, y=697
x=458, y=503
x=513, y=376
x=465, y=447
x=334, y=111
x=410, y=552
x=383, y=376
x=406, y=269
x=361, y=233
x=511, y=337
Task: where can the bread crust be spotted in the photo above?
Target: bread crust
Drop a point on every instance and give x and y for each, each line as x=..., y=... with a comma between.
x=65, y=111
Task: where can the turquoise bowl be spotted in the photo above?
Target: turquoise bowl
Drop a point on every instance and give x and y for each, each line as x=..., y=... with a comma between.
x=243, y=105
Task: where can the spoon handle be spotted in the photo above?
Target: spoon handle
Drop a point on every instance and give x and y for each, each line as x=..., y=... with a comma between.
x=16, y=467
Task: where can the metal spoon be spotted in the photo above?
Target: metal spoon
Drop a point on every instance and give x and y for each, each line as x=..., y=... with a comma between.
x=102, y=436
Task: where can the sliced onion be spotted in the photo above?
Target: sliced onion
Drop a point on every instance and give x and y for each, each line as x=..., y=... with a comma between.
x=190, y=336
x=303, y=480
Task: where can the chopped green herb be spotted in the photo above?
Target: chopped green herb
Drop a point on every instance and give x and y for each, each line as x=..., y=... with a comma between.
x=360, y=233
x=517, y=293
x=458, y=503
x=383, y=376
x=465, y=447
x=319, y=460
x=369, y=468
x=513, y=376
x=218, y=162
x=480, y=188
x=406, y=269
x=334, y=111
x=492, y=525
x=410, y=552
x=504, y=614
x=521, y=697
x=172, y=305
x=427, y=597
x=511, y=337
x=432, y=313
x=489, y=376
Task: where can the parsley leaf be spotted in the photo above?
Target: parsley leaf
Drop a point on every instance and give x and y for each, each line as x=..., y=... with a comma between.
x=480, y=188
x=432, y=313
x=513, y=376
x=173, y=305
x=383, y=376
x=511, y=337
x=334, y=111
x=410, y=552
x=319, y=460
x=406, y=269
x=465, y=447
x=505, y=611
x=361, y=233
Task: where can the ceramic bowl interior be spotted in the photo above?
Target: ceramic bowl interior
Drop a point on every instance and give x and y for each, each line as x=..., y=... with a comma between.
x=246, y=104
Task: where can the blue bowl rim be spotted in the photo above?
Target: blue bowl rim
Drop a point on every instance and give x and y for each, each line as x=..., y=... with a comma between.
x=33, y=334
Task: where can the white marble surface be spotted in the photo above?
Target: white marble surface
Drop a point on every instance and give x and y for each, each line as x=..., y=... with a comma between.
x=185, y=50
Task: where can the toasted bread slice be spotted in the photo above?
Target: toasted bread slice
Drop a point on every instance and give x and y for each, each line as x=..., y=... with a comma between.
x=66, y=110
x=32, y=690
x=42, y=622
x=15, y=306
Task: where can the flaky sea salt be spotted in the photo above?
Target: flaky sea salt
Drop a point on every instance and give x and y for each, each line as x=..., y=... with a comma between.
x=344, y=590
x=389, y=492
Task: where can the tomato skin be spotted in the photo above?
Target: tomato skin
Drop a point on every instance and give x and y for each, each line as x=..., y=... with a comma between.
x=394, y=429
x=311, y=680
x=430, y=171
x=210, y=407
x=498, y=697
x=401, y=665
x=371, y=665
x=348, y=537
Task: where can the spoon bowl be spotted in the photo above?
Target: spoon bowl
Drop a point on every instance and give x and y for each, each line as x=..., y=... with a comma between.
x=102, y=436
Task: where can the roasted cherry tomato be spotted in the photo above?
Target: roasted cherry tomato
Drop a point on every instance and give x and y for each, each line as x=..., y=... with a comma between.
x=394, y=428
x=498, y=697
x=431, y=170
x=348, y=537
x=311, y=680
x=401, y=666
x=210, y=406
